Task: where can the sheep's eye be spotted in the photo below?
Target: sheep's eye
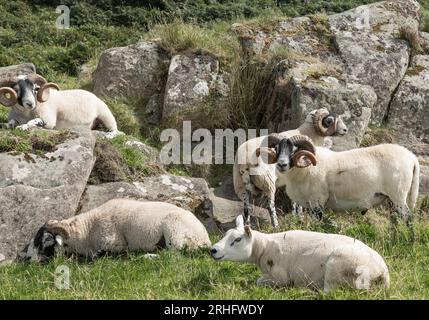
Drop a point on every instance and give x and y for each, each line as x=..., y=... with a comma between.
x=236, y=240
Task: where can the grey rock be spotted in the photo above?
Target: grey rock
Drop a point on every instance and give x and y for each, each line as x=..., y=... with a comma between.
x=193, y=79
x=409, y=108
x=375, y=60
x=16, y=70
x=298, y=92
x=35, y=189
x=227, y=206
x=134, y=71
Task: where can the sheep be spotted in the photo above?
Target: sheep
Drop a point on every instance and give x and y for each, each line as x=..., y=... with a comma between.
x=258, y=178
x=34, y=104
x=119, y=225
x=299, y=258
x=318, y=178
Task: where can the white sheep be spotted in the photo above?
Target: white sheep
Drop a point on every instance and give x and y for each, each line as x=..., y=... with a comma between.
x=299, y=258
x=117, y=226
x=35, y=104
x=347, y=180
x=253, y=177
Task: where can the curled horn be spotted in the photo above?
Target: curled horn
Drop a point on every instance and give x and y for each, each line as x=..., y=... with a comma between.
x=306, y=151
x=8, y=96
x=318, y=123
x=43, y=93
x=271, y=141
x=57, y=228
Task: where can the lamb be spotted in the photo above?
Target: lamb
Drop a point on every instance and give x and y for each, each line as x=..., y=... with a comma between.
x=299, y=258
x=318, y=178
x=117, y=226
x=35, y=104
x=253, y=177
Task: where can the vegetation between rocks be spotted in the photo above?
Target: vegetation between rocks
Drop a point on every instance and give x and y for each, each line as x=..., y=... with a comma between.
x=35, y=142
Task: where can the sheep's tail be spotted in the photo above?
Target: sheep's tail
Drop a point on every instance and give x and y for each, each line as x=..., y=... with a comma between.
x=414, y=191
x=107, y=118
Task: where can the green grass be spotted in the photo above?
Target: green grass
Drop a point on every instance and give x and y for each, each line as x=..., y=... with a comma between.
x=36, y=142
x=184, y=275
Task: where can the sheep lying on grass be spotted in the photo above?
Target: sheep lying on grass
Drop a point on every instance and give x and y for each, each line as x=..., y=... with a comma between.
x=117, y=226
x=34, y=104
x=253, y=177
x=304, y=259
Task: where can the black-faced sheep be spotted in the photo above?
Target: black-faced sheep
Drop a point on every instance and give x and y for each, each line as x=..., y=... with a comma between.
x=35, y=104
x=117, y=226
x=253, y=177
x=318, y=178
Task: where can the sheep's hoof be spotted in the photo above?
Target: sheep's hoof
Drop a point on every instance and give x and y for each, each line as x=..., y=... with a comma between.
x=23, y=127
x=150, y=256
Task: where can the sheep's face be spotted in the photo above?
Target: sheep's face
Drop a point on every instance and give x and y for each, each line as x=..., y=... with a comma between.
x=341, y=126
x=236, y=245
x=327, y=123
x=42, y=247
x=284, y=152
x=26, y=91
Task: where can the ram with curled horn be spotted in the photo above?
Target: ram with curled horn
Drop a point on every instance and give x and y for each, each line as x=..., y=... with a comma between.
x=318, y=178
x=256, y=178
x=35, y=102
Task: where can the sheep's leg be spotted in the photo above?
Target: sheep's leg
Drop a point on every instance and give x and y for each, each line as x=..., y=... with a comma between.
x=248, y=207
x=272, y=210
x=317, y=212
x=11, y=124
x=297, y=210
x=37, y=122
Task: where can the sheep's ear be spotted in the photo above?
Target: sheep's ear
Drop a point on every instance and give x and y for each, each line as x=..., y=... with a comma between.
x=248, y=230
x=57, y=229
x=268, y=155
x=239, y=221
x=59, y=240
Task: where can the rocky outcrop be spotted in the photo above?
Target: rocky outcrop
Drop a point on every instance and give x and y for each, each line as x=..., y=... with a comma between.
x=303, y=86
x=188, y=193
x=227, y=206
x=193, y=79
x=409, y=114
x=36, y=188
x=16, y=70
x=135, y=72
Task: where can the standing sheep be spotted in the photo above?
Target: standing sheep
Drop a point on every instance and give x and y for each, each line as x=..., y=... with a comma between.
x=304, y=259
x=318, y=178
x=34, y=104
x=254, y=177
x=120, y=225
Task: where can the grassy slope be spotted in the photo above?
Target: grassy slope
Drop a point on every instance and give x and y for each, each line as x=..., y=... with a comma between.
x=181, y=275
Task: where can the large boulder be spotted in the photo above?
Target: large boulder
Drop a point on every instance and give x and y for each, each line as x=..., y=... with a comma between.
x=302, y=86
x=375, y=60
x=409, y=114
x=409, y=108
x=36, y=188
x=193, y=81
x=135, y=72
x=227, y=206
x=16, y=70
